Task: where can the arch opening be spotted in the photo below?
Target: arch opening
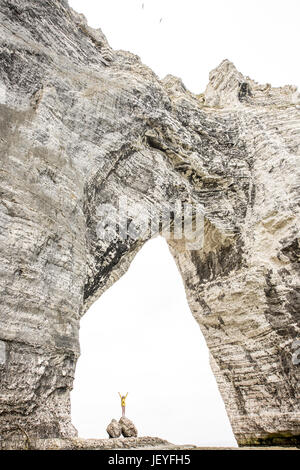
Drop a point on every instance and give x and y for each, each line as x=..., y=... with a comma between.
x=140, y=337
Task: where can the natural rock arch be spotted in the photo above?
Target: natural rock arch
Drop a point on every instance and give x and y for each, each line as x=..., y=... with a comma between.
x=139, y=325
x=81, y=125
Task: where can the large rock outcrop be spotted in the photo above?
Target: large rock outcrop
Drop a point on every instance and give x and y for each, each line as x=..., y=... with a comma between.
x=81, y=125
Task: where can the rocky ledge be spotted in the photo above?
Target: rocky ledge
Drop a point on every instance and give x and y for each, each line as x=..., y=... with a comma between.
x=137, y=443
x=143, y=443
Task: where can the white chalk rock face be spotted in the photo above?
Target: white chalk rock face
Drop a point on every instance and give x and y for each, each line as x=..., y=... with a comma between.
x=81, y=126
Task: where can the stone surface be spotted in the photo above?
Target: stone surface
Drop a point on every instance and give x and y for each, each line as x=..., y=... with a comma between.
x=128, y=428
x=138, y=443
x=114, y=429
x=142, y=443
x=2, y=352
x=81, y=125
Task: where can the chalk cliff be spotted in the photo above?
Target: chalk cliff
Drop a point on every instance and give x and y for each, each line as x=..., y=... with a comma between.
x=82, y=125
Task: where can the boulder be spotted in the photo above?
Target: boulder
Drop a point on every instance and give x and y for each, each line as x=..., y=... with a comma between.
x=114, y=429
x=128, y=428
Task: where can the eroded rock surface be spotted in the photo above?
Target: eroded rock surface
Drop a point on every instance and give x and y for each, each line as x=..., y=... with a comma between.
x=81, y=125
x=128, y=428
x=114, y=429
x=74, y=443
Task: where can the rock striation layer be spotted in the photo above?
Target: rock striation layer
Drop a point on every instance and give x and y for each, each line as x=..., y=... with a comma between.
x=82, y=125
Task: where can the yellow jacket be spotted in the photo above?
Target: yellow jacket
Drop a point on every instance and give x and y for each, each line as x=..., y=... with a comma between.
x=123, y=399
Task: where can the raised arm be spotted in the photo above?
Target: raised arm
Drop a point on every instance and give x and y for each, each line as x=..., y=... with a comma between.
x=126, y=395
x=119, y=394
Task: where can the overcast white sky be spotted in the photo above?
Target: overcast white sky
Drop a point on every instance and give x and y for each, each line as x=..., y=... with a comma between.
x=261, y=37
x=140, y=335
